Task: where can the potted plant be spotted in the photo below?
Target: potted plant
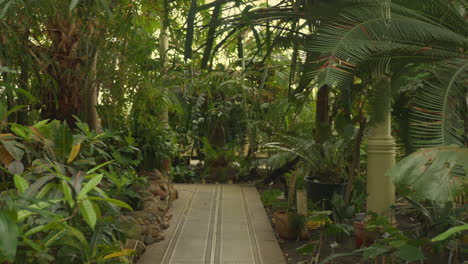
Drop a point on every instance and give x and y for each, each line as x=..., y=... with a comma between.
x=323, y=165
x=324, y=170
x=287, y=222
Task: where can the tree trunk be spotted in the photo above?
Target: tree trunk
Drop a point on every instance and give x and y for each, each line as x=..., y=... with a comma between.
x=190, y=30
x=322, y=119
x=91, y=97
x=211, y=35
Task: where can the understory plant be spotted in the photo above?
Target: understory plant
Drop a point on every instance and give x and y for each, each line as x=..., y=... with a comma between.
x=325, y=161
x=61, y=203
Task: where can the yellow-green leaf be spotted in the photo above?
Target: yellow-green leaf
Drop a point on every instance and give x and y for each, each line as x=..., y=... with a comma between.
x=74, y=153
x=21, y=184
x=89, y=186
x=67, y=193
x=125, y=252
x=88, y=213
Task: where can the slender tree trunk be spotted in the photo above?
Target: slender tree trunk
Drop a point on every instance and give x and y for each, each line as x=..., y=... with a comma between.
x=211, y=35
x=190, y=30
x=322, y=120
x=163, y=48
x=91, y=97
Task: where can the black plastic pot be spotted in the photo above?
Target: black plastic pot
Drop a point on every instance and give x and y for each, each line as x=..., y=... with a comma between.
x=318, y=192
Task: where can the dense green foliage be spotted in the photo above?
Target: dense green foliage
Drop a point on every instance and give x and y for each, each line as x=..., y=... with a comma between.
x=255, y=90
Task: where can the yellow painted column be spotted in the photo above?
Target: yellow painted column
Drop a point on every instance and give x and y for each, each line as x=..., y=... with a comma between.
x=380, y=157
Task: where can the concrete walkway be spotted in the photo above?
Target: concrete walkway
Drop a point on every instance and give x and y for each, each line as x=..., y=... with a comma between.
x=216, y=224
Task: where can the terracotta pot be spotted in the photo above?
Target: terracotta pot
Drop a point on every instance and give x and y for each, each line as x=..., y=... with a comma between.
x=283, y=227
x=362, y=236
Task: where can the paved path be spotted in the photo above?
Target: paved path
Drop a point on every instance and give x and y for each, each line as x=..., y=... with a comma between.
x=216, y=224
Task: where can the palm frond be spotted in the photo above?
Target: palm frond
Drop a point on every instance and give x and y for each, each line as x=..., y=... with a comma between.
x=364, y=31
x=439, y=111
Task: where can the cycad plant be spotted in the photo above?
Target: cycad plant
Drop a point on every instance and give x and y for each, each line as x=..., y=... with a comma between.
x=382, y=37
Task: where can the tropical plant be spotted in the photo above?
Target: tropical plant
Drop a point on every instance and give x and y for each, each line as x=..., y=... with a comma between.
x=382, y=37
x=432, y=174
x=326, y=161
x=57, y=210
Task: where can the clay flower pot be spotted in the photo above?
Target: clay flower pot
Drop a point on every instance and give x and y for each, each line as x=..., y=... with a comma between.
x=364, y=237
x=284, y=228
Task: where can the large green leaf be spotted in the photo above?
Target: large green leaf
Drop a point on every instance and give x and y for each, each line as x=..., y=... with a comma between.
x=67, y=193
x=88, y=212
x=21, y=184
x=450, y=232
x=9, y=235
x=13, y=148
x=89, y=186
x=63, y=141
x=410, y=253
x=431, y=174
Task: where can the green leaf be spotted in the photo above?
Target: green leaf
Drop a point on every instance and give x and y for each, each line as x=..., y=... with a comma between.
x=39, y=228
x=63, y=140
x=13, y=149
x=6, y=69
x=429, y=174
x=99, y=166
x=34, y=208
x=9, y=235
x=450, y=232
x=410, y=253
x=38, y=184
x=20, y=183
x=43, y=192
x=89, y=186
x=73, y=4
x=79, y=236
x=101, y=192
x=306, y=249
x=2, y=14
x=56, y=236
x=375, y=251
x=67, y=193
x=11, y=111
x=88, y=212
x=111, y=201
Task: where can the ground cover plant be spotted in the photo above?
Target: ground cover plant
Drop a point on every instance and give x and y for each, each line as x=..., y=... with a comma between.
x=99, y=96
